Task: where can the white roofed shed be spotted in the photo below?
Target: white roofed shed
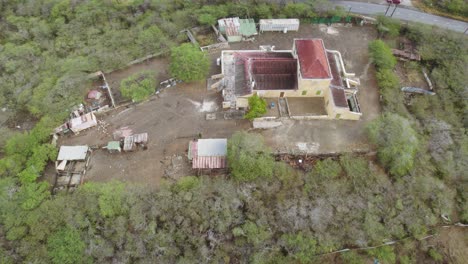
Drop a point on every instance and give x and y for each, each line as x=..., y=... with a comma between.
x=284, y=25
x=73, y=153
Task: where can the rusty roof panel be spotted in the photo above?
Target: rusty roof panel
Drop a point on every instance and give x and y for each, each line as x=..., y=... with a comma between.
x=312, y=59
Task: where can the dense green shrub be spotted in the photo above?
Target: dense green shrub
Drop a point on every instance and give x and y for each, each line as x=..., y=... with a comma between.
x=257, y=107
x=66, y=246
x=385, y=254
x=397, y=142
x=189, y=63
x=139, y=86
x=388, y=26
x=456, y=7
x=248, y=157
x=302, y=247
x=381, y=55
x=186, y=183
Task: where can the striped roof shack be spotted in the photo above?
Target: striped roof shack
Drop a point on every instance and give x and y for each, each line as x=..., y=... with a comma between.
x=208, y=153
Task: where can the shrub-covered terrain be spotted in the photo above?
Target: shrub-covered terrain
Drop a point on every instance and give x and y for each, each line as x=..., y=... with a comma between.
x=263, y=210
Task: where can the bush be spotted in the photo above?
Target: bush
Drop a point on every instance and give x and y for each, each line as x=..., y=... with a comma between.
x=257, y=107
x=300, y=246
x=435, y=255
x=186, y=183
x=189, y=63
x=248, y=157
x=139, y=86
x=381, y=55
x=66, y=246
x=351, y=257
x=327, y=169
x=385, y=254
x=396, y=141
x=388, y=26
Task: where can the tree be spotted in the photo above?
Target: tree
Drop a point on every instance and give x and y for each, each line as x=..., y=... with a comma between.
x=248, y=157
x=189, y=63
x=301, y=246
x=139, y=86
x=381, y=55
x=65, y=246
x=257, y=107
x=396, y=141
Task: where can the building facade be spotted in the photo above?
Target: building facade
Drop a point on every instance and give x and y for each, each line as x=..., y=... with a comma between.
x=307, y=70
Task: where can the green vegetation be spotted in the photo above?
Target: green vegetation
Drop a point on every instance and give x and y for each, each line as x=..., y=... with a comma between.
x=436, y=256
x=397, y=142
x=381, y=55
x=248, y=157
x=186, y=183
x=385, y=255
x=139, y=86
x=388, y=27
x=189, y=63
x=269, y=212
x=66, y=246
x=257, y=107
x=456, y=7
x=387, y=80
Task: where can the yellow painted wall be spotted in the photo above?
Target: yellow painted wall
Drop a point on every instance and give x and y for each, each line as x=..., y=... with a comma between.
x=313, y=85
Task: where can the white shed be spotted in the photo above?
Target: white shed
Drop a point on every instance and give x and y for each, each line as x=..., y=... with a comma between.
x=283, y=25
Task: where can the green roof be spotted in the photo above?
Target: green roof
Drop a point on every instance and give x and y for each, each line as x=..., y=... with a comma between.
x=247, y=27
x=113, y=145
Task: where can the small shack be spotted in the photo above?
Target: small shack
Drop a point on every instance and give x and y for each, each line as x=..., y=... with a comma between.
x=132, y=142
x=237, y=29
x=282, y=25
x=208, y=153
x=82, y=122
x=71, y=165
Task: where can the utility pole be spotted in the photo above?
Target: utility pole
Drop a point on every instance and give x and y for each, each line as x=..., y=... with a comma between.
x=394, y=10
x=349, y=11
x=387, y=9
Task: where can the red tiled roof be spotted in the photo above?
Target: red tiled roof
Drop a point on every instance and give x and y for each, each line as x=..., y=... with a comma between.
x=312, y=59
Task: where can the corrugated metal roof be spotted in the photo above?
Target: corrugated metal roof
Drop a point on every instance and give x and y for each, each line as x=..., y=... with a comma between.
x=230, y=26
x=208, y=153
x=131, y=141
x=281, y=21
x=247, y=27
x=72, y=153
x=209, y=163
x=212, y=147
x=312, y=58
x=83, y=122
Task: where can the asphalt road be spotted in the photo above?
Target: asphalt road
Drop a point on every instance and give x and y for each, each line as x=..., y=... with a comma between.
x=403, y=14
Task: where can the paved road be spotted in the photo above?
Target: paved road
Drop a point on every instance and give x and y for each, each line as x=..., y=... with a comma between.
x=404, y=14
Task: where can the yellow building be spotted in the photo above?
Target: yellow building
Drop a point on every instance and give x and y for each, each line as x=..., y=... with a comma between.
x=308, y=70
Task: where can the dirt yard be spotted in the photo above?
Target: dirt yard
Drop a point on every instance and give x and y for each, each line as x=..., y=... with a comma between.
x=177, y=115
x=328, y=136
x=173, y=118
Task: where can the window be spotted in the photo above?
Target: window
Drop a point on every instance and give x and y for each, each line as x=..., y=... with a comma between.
x=319, y=92
x=304, y=92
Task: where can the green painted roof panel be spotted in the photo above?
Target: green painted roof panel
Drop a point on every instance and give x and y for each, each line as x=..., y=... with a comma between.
x=247, y=27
